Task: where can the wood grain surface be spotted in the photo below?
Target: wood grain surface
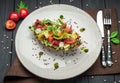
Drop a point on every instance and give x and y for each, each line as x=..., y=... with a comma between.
x=7, y=43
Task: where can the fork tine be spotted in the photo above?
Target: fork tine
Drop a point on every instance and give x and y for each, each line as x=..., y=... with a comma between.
x=107, y=17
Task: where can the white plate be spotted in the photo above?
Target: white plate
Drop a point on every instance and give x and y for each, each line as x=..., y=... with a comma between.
x=71, y=63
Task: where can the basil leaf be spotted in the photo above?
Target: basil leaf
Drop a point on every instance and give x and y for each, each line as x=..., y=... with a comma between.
x=115, y=40
x=114, y=34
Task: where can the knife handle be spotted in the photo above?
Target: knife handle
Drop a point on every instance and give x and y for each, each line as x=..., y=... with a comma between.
x=103, y=57
x=109, y=50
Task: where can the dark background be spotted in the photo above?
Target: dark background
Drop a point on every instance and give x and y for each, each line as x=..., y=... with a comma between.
x=7, y=48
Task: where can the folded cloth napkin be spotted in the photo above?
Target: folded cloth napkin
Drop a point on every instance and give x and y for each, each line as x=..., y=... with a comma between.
x=18, y=74
x=97, y=68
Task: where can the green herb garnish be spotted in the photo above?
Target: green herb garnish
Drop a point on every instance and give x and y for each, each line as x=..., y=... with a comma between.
x=82, y=29
x=85, y=50
x=31, y=28
x=115, y=40
x=56, y=65
x=40, y=54
x=61, y=17
x=114, y=34
x=21, y=5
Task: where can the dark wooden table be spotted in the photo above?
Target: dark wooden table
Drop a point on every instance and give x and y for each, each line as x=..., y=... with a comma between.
x=7, y=42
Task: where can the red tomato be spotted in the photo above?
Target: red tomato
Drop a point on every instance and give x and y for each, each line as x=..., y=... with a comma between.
x=40, y=26
x=10, y=24
x=23, y=12
x=68, y=30
x=37, y=22
x=64, y=25
x=14, y=16
x=55, y=42
x=50, y=39
x=69, y=41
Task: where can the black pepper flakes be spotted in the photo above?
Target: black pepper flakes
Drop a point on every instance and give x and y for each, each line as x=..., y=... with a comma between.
x=75, y=22
x=46, y=63
x=54, y=59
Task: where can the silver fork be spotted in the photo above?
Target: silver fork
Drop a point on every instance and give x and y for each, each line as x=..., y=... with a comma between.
x=107, y=24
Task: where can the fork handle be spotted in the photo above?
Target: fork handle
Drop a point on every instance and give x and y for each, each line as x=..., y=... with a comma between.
x=103, y=57
x=109, y=50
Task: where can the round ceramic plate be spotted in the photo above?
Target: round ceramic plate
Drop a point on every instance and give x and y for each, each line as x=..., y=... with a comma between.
x=71, y=63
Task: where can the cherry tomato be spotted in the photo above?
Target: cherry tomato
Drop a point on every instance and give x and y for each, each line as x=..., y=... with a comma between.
x=69, y=41
x=14, y=16
x=64, y=25
x=68, y=30
x=55, y=42
x=50, y=38
x=10, y=24
x=37, y=22
x=23, y=12
x=40, y=26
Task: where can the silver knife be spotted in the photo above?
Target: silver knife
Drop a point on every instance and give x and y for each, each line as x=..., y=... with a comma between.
x=100, y=25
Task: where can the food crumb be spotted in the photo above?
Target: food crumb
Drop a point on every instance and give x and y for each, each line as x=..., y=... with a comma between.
x=35, y=6
x=86, y=4
x=7, y=37
x=44, y=59
x=10, y=52
x=115, y=61
x=3, y=47
x=92, y=76
x=115, y=82
x=118, y=80
x=119, y=21
x=46, y=63
x=7, y=64
x=71, y=0
x=54, y=59
x=40, y=2
x=4, y=35
x=51, y=2
x=11, y=39
x=104, y=80
x=1, y=41
x=113, y=52
x=75, y=22
x=7, y=47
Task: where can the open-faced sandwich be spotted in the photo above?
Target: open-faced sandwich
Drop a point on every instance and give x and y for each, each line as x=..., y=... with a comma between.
x=57, y=35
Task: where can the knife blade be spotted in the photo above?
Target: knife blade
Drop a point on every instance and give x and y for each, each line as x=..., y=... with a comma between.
x=101, y=27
